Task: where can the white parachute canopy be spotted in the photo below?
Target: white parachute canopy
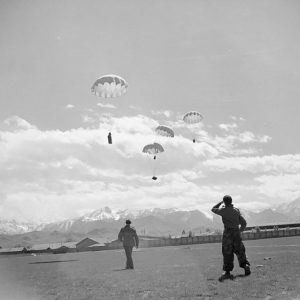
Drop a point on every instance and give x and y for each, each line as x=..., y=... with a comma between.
x=109, y=86
x=153, y=149
x=164, y=131
x=193, y=118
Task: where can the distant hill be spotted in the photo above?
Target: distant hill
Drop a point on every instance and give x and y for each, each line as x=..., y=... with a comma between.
x=105, y=224
x=270, y=216
x=38, y=237
x=154, y=222
x=14, y=227
x=291, y=209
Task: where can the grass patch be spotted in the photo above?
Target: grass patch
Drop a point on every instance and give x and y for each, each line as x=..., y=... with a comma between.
x=160, y=273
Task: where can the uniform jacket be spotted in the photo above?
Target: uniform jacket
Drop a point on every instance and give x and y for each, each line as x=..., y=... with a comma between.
x=231, y=217
x=128, y=236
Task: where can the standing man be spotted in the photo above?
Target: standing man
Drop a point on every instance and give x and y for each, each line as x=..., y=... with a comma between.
x=232, y=240
x=128, y=236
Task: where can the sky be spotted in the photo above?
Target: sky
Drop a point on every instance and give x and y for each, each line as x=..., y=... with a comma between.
x=235, y=62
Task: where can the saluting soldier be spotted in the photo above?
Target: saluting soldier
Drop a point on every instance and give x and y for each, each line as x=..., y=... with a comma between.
x=232, y=240
x=128, y=236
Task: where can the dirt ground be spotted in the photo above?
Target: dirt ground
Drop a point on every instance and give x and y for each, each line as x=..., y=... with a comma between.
x=181, y=272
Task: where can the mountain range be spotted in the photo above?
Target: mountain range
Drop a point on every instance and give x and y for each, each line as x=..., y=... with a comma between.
x=105, y=224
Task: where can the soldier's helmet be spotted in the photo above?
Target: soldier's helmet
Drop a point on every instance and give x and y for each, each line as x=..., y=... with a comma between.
x=227, y=200
x=128, y=222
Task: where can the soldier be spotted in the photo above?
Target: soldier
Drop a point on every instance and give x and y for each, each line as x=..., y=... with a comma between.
x=232, y=240
x=128, y=236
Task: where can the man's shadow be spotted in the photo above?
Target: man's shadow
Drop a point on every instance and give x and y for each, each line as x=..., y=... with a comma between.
x=51, y=261
x=232, y=277
x=239, y=276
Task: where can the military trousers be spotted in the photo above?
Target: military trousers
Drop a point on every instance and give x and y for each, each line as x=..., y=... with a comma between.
x=128, y=252
x=232, y=244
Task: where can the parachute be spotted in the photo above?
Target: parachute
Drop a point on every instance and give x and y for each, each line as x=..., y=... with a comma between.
x=153, y=149
x=192, y=118
x=164, y=131
x=109, y=86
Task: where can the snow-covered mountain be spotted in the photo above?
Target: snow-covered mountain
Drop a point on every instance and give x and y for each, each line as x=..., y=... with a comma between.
x=14, y=227
x=106, y=214
x=292, y=209
x=155, y=221
x=103, y=214
x=61, y=226
x=103, y=217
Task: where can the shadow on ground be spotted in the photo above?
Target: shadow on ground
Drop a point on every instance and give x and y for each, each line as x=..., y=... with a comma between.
x=51, y=261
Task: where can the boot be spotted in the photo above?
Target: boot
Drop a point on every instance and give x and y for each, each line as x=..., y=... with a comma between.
x=225, y=275
x=247, y=270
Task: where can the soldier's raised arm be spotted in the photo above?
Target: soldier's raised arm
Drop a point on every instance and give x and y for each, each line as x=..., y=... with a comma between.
x=216, y=208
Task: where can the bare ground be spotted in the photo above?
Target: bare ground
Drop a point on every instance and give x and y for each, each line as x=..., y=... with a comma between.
x=183, y=272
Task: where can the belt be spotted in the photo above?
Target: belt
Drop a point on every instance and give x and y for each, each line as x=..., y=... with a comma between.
x=230, y=228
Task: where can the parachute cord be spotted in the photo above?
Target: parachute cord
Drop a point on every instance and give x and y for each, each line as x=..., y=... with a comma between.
x=154, y=167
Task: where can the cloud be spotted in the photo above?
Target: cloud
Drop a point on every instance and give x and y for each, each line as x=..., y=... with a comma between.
x=40, y=166
x=87, y=119
x=238, y=144
x=250, y=137
x=107, y=105
x=166, y=113
x=232, y=126
x=134, y=107
x=234, y=118
x=228, y=127
x=257, y=164
x=254, y=206
x=280, y=187
x=16, y=123
x=94, y=118
x=69, y=106
x=67, y=172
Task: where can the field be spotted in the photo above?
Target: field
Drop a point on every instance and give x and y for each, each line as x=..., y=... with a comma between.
x=183, y=272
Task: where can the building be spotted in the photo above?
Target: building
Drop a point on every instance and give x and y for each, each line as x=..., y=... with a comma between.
x=14, y=250
x=85, y=243
x=89, y=244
